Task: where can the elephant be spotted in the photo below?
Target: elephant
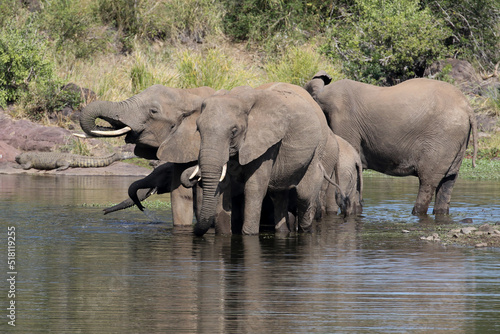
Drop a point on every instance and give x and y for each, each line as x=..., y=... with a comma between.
x=350, y=177
x=419, y=127
x=161, y=121
x=274, y=140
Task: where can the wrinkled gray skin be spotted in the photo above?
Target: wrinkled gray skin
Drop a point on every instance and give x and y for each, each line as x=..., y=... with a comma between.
x=275, y=137
x=162, y=123
x=350, y=177
x=420, y=127
x=159, y=181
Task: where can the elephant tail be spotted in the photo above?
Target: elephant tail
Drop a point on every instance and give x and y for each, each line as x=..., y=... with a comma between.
x=345, y=201
x=473, y=125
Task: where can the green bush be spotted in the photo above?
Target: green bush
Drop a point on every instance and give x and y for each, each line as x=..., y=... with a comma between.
x=161, y=20
x=73, y=27
x=8, y=9
x=475, y=26
x=213, y=69
x=274, y=24
x=298, y=65
x=23, y=62
x=385, y=41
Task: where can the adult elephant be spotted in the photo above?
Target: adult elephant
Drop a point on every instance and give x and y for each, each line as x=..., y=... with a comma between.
x=161, y=121
x=420, y=127
x=275, y=136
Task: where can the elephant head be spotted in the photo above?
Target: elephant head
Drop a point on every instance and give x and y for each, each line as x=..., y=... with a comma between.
x=159, y=120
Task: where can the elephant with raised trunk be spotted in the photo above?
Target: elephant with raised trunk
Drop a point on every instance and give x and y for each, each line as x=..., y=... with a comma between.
x=161, y=121
x=275, y=137
x=420, y=127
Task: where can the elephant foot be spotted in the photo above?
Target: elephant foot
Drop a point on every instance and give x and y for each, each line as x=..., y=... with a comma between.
x=419, y=210
x=282, y=227
x=441, y=212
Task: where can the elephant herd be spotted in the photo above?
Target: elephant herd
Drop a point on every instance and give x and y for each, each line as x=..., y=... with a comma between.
x=281, y=155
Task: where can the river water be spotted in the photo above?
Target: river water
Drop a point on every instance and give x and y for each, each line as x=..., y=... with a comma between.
x=78, y=271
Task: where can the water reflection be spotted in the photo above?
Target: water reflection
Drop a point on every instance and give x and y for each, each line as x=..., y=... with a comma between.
x=80, y=271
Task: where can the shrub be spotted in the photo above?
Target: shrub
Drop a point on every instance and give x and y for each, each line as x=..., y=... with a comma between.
x=152, y=19
x=212, y=68
x=23, y=62
x=475, y=27
x=386, y=41
x=147, y=71
x=8, y=9
x=298, y=65
x=273, y=24
x=73, y=27
x=43, y=97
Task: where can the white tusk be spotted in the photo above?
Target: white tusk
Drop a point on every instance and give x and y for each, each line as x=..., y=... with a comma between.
x=195, y=172
x=112, y=132
x=224, y=168
x=80, y=135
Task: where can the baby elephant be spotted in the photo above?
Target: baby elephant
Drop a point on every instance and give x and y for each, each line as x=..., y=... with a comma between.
x=350, y=177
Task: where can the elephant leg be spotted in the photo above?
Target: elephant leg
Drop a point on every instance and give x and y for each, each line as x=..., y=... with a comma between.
x=424, y=197
x=331, y=200
x=181, y=199
x=308, y=191
x=443, y=195
x=255, y=191
x=223, y=218
x=182, y=206
x=280, y=205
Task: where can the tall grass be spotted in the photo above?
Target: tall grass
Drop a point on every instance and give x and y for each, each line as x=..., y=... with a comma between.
x=211, y=68
x=298, y=64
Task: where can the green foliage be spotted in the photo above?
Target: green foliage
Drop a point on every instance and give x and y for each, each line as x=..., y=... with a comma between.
x=485, y=169
x=274, y=22
x=76, y=146
x=73, y=27
x=8, y=9
x=385, y=41
x=475, y=26
x=149, y=69
x=23, y=62
x=213, y=69
x=161, y=20
x=43, y=97
x=141, y=77
x=298, y=65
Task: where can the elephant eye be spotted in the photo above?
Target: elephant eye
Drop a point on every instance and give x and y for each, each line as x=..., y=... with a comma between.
x=234, y=131
x=153, y=111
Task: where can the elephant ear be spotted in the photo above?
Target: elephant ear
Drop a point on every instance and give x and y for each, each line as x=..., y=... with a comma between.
x=267, y=125
x=183, y=145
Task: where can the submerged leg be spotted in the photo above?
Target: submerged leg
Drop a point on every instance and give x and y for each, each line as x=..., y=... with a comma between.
x=443, y=195
x=424, y=197
x=181, y=199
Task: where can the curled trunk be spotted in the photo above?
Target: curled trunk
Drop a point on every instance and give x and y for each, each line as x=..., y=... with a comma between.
x=112, y=112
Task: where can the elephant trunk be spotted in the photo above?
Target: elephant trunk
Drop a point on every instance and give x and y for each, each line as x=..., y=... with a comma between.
x=211, y=171
x=112, y=112
x=132, y=193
